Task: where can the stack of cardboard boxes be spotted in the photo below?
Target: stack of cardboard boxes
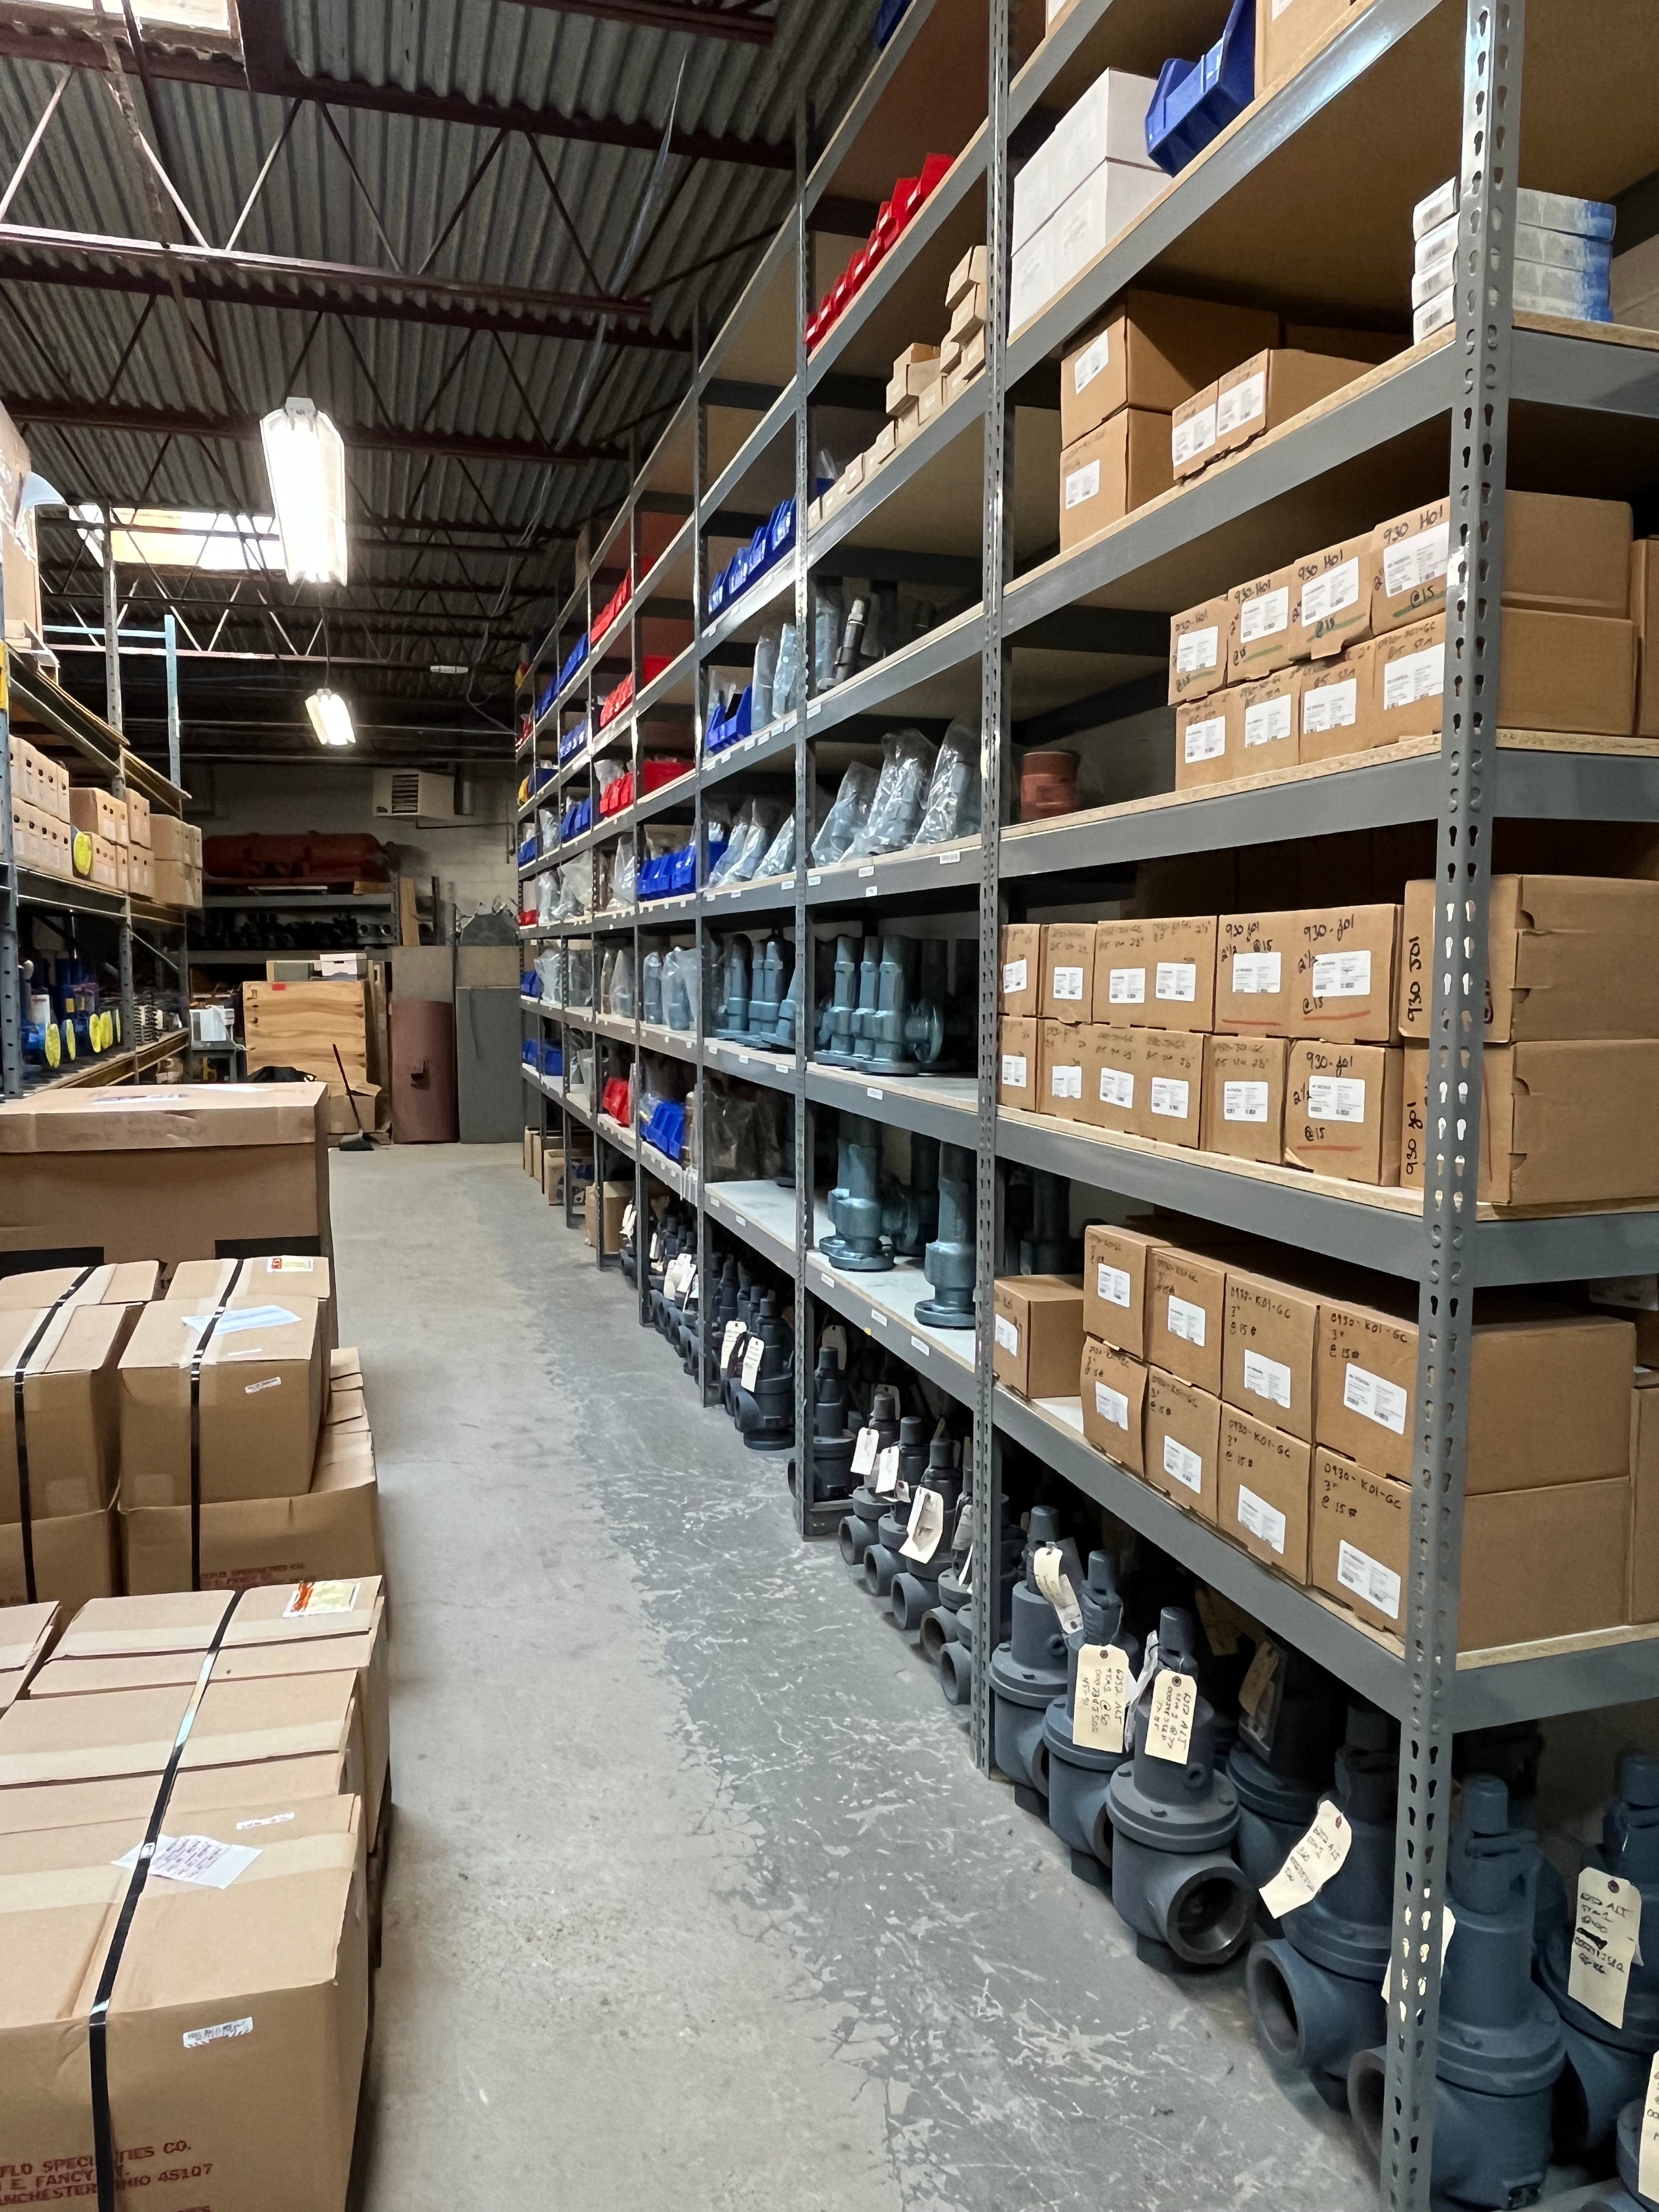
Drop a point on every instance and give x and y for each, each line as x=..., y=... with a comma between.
x=1266, y=390
x=239, y=2024
x=39, y=809
x=83, y=831
x=1281, y=1413
x=177, y=858
x=1300, y=1038
x=1088, y=181
x=1342, y=653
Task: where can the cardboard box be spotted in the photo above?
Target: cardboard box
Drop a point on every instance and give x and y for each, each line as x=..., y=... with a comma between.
x=1342, y=1110
x=1183, y=1437
x=1408, y=561
x=1331, y=599
x=264, y=1383
x=533, y=1153
x=1114, y=1077
x=1172, y=1086
x=270, y=2113
x=1200, y=646
x=1263, y=636
x=1262, y=717
x=286, y=1783
x=1292, y=32
x=1256, y=985
x=617, y=1198
x=1112, y=1387
x=883, y=448
x=1644, y=1593
x=1346, y=974
x=132, y=1284
x=152, y=1173
x=1068, y=971
x=320, y=1028
x=1204, y=752
x=1264, y=1492
x=1549, y=1400
x=1110, y=471
x=1566, y=957
x=1359, y=1532
x=1409, y=668
x=1191, y=434
x=1019, y=1049
x=176, y=885
x=1244, y=1097
x=26, y=1632
x=1153, y=351
x=1366, y=1388
x=1038, y=1329
x=1188, y=1315
x=100, y=813
x=1269, y=1361
x=332, y=1533
x=1019, y=989
x=968, y=272
x=1181, y=953
x=1339, y=711
x=1121, y=978
x=967, y=315
x=1561, y=1124
x=1644, y=612
x=74, y=1559
x=141, y=873
x=137, y=818
x=1634, y=1298
x=69, y=1412
x=1566, y=556
x=171, y=839
x=1106, y=122
x=1060, y=1071
x=254, y=1283
x=101, y=868
x=1572, y=673
x=1116, y=1282
x=1272, y=388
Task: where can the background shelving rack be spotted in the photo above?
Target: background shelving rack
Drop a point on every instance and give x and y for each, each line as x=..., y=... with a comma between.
x=1408, y=92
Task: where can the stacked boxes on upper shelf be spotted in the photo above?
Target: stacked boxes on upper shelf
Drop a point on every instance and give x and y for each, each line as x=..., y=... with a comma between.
x=177, y=860
x=1563, y=257
x=39, y=809
x=1090, y=179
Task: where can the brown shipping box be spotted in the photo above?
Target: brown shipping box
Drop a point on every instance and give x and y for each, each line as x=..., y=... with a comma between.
x=1263, y=715
x=238, y=2026
x=166, y=1174
x=1068, y=971
x=133, y=1284
x=1644, y=615
x=1180, y=973
x=1291, y=32
x=1122, y=983
x=1331, y=599
x=1112, y=1386
x=264, y=1383
x=1644, y=1497
x=1203, y=752
x=269, y=1785
x=173, y=840
x=1116, y=1284
x=1038, y=1327
x=1408, y=557
x=1364, y=1386
x=1201, y=646
x=1183, y=1437
x=1536, y=1563
x=264, y=1281
x=1342, y=1111
x=25, y=1632
x=1020, y=989
x=1409, y=678
x=1113, y=1077
x=1018, y=1050
x=1188, y=1315
x=1337, y=706
x=1255, y=982
x=1561, y=1124
x=1263, y=636
x=1154, y=351
x=1263, y=1491
x=1269, y=1359
x=1110, y=471
x=1172, y=1069
x=1272, y=388
x=1346, y=967
x=1569, y=555
x=1566, y=957
x=1571, y=673
x=1244, y=1097
x=617, y=1198
x=1191, y=434
x=69, y=1412
x=1060, y=1071
x=75, y=1560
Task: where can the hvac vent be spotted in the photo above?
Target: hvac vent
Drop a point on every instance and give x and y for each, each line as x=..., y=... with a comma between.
x=410, y=794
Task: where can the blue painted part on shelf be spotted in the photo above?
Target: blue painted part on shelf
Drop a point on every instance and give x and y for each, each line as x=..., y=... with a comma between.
x=1196, y=101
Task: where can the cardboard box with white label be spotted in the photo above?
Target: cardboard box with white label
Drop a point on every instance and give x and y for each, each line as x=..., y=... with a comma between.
x=1256, y=955
x=1112, y=1386
x=1182, y=1432
x=1269, y=1361
x=1271, y=389
x=1244, y=1097
x=1342, y=1110
x=1068, y=971
x=1113, y=1077
x=1346, y=967
x=1037, y=1327
x=1188, y=1313
x=1019, y=1047
x=1172, y=1086
x=1331, y=599
x=1110, y=471
x=1153, y=351
x=263, y=1388
x=1262, y=717
x=1338, y=711
x=1263, y=635
x=1019, y=987
x=1201, y=646
x=1116, y=1284
x=1263, y=1491
x=1060, y=1071
x=1180, y=959
x=1203, y=752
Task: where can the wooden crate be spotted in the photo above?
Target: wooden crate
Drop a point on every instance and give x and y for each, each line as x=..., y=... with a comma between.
x=300, y=1025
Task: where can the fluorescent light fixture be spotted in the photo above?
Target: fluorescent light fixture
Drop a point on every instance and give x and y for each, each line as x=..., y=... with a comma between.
x=305, y=457
x=331, y=718
x=205, y=16
x=446, y=668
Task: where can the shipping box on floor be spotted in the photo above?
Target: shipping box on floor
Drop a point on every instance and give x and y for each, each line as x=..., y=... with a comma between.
x=264, y=1281
x=133, y=1284
x=239, y=2022
x=276, y=1785
x=25, y=1633
x=618, y=1197
x=252, y=1416
x=183, y=1173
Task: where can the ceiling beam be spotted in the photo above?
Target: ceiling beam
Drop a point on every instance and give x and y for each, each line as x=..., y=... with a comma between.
x=700, y=22
x=362, y=437
x=41, y=41
x=24, y=264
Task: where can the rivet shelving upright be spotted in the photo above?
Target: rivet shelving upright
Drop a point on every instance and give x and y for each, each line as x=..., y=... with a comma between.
x=1303, y=203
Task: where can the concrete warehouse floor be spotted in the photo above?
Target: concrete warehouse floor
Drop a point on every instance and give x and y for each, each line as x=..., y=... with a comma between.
x=697, y=1900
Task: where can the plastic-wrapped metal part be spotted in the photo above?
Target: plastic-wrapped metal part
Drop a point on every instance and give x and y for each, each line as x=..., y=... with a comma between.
x=749, y=842
x=622, y=1000
x=786, y=683
x=828, y=616
x=779, y=858
x=578, y=975
x=761, y=680
x=625, y=873
x=651, y=988
x=952, y=809
x=895, y=808
x=547, y=828
x=679, y=989
x=741, y=823
x=848, y=815
x=848, y=652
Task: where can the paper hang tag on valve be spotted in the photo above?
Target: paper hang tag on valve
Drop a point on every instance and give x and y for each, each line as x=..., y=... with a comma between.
x=729, y=1343
x=887, y=1472
x=1169, y=1723
x=1310, y=1863
x=925, y=1527
x=628, y=1221
x=863, y=1452
x=1606, y=1943
x=1647, y=2171
x=1448, y=1930
x=1105, y=1693
x=752, y=1362
x=1048, y=1566
x=963, y=1538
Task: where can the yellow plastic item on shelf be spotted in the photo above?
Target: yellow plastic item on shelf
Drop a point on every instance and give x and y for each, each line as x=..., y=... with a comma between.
x=81, y=852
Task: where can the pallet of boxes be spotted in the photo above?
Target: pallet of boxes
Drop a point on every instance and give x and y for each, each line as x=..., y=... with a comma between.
x=40, y=826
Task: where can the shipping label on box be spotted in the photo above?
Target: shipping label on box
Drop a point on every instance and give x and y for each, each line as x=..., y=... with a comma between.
x=1114, y=1077
x=1244, y=1097
x=1409, y=674
x=1019, y=1047
x=1263, y=637
x=1332, y=599
x=1188, y=1316
x=1068, y=971
x=1264, y=1487
x=1366, y=1386
x=1200, y=646
x=1338, y=705
x=1202, y=751
x=1121, y=982
x=1191, y=434
x=1182, y=1434
x=1180, y=954
x=1113, y=1388
x=1116, y=1284
x=1342, y=1110
x=1172, y=1105
x=1262, y=720
x=1256, y=960
x=1408, y=562
x=1020, y=984
x=1060, y=1076
x=1270, y=1360
x=1345, y=973
x=1359, y=1536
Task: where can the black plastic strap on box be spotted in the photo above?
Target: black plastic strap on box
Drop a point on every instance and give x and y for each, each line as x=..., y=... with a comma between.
x=103, y=2143
x=196, y=1359
x=19, y=1428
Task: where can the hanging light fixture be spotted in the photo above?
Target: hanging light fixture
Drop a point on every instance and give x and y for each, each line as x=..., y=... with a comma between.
x=305, y=458
x=331, y=718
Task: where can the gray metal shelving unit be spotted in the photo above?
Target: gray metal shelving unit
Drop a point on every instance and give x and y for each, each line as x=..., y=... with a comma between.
x=1408, y=92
